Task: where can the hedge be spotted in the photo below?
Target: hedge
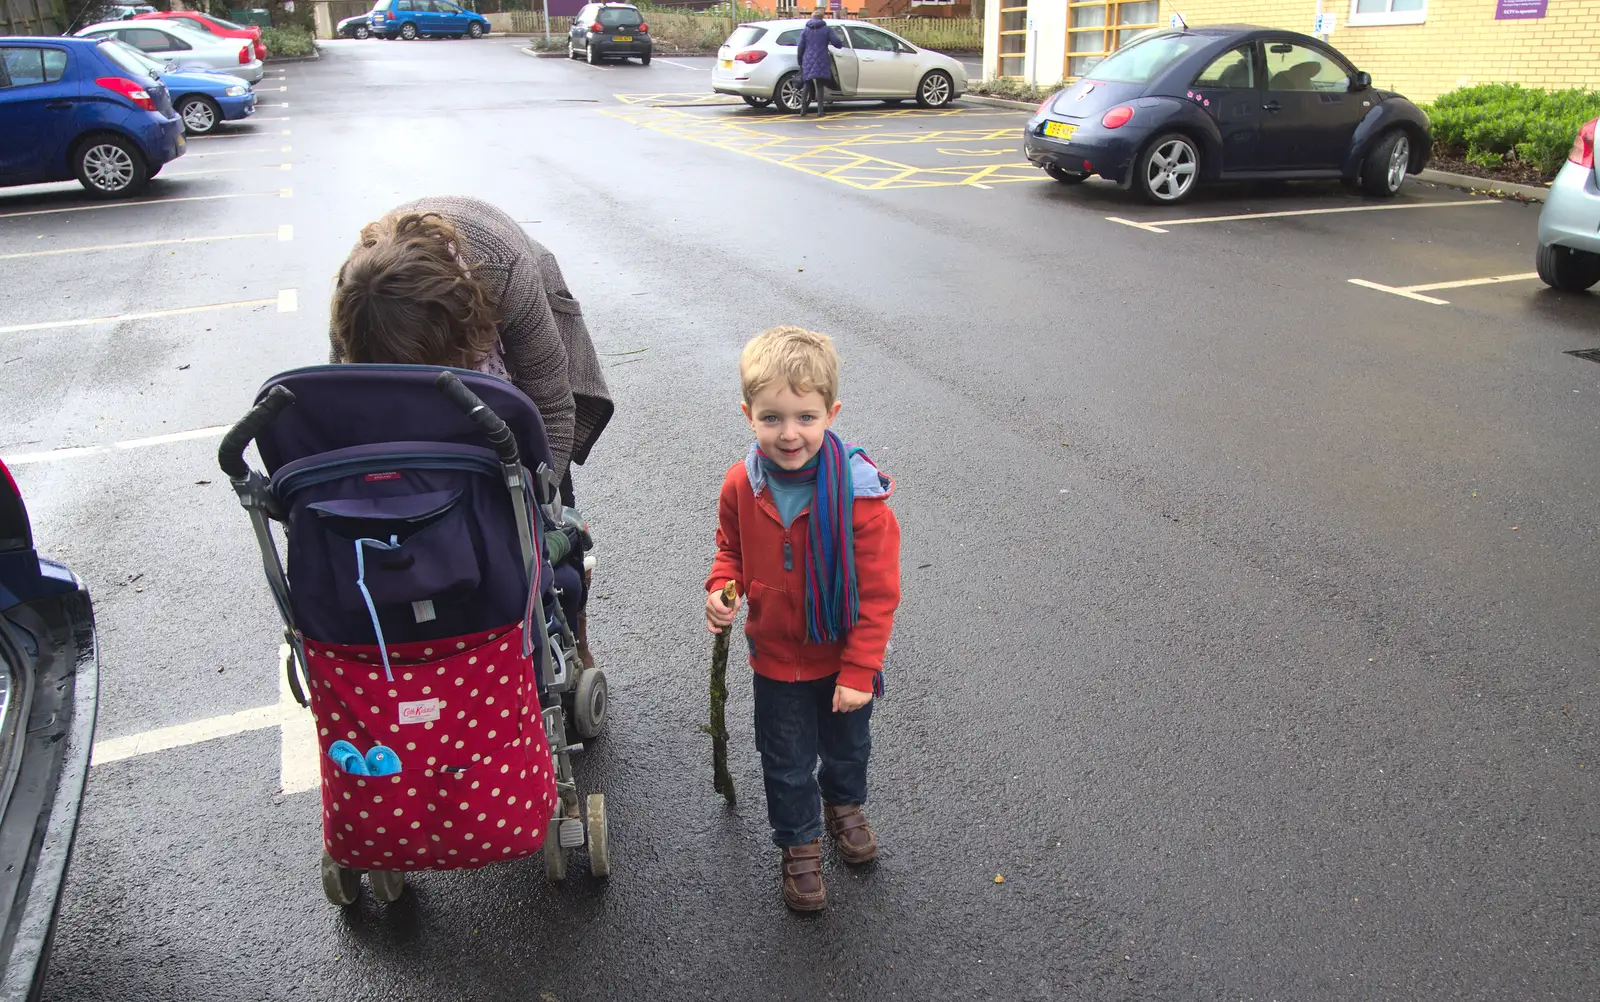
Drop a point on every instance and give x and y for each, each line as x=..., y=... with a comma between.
x=284, y=43
x=1492, y=123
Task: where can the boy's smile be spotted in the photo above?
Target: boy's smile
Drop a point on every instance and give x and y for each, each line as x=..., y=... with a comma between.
x=789, y=426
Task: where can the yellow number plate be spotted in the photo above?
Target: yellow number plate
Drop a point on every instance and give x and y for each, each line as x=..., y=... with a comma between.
x=727, y=64
x=1059, y=130
x=623, y=38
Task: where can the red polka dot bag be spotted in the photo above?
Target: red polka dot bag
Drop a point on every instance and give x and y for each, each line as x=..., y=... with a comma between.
x=474, y=783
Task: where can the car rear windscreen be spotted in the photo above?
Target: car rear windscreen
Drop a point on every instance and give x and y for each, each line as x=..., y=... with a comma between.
x=123, y=60
x=746, y=34
x=613, y=17
x=1140, y=61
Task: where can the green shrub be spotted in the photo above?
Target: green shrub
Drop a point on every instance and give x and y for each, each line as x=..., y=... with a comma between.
x=287, y=42
x=1013, y=89
x=1489, y=123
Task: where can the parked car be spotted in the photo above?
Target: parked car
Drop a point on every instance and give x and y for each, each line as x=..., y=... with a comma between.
x=211, y=25
x=125, y=12
x=359, y=26
x=758, y=63
x=49, y=696
x=1176, y=109
x=204, y=99
x=1569, y=224
x=604, y=30
x=81, y=108
x=411, y=19
x=186, y=47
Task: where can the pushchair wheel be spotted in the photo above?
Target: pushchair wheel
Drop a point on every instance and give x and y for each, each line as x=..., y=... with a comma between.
x=599, y=842
x=555, y=857
x=341, y=884
x=387, y=885
x=589, y=704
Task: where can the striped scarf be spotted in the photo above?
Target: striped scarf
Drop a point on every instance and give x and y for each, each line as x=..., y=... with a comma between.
x=832, y=603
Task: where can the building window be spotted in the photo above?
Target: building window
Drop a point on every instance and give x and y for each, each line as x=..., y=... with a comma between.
x=1368, y=12
x=1013, y=37
x=1101, y=27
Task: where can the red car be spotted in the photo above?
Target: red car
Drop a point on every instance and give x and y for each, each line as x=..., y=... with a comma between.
x=215, y=25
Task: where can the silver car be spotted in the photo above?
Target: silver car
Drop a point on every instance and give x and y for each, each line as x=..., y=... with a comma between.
x=758, y=63
x=1569, y=225
x=184, y=46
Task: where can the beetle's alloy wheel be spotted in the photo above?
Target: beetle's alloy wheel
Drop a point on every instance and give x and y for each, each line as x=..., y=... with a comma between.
x=1170, y=170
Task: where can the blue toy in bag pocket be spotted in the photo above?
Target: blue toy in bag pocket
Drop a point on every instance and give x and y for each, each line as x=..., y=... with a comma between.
x=378, y=761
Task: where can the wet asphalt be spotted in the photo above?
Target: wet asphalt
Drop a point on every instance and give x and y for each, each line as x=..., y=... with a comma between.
x=1248, y=622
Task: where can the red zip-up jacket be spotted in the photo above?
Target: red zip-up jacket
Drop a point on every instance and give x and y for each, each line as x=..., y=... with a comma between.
x=768, y=563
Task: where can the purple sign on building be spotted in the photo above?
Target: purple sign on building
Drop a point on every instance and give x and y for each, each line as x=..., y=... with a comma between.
x=1518, y=10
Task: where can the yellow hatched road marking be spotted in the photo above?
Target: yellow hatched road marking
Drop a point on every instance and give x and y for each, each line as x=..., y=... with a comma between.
x=835, y=157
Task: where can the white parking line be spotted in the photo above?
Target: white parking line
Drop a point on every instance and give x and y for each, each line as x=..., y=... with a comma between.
x=280, y=192
x=236, y=135
x=1416, y=291
x=229, y=153
x=287, y=301
x=1161, y=225
x=144, y=243
x=299, y=752
x=285, y=233
x=80, y=451
x=228, y=170
x=681, y=66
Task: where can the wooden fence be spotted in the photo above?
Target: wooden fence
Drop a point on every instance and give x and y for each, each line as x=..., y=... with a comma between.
x=942, y=34
x=28, y=17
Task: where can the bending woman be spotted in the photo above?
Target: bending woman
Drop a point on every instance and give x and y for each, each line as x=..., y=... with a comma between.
x=455, y=281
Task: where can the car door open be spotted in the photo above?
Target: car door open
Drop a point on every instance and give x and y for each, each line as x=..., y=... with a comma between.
x=846, y=66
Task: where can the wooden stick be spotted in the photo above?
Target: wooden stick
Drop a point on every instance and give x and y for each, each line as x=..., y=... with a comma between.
x=722, y=780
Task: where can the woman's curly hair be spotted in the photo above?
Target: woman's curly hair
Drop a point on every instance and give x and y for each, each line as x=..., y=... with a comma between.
x=406, y=296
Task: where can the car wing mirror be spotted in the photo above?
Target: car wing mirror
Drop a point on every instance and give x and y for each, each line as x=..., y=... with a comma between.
x=1360, y=80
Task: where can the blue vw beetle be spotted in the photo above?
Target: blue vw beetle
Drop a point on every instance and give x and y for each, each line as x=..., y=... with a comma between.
x=1178, y=108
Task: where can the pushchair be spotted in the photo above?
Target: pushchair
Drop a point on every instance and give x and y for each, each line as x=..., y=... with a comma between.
x=430, y=586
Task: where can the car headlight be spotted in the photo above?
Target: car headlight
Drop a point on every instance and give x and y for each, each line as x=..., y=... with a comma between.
x=237, y=90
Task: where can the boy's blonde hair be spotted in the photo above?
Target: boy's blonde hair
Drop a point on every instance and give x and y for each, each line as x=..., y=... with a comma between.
x=803, y=359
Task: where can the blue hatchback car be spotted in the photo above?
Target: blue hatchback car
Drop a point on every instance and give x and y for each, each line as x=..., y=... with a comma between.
x=411, y=19
x=80, y=108
x=203, y=98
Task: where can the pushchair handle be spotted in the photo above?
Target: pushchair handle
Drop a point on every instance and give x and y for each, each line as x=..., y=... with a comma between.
x=500, y=436
x=230, y=454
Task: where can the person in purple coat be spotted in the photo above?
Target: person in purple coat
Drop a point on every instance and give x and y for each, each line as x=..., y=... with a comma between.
x=816, y=63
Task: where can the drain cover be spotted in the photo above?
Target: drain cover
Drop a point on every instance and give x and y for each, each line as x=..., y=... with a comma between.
x=1592, y=354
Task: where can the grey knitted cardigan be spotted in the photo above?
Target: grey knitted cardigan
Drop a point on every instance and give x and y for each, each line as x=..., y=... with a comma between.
x=547, y=345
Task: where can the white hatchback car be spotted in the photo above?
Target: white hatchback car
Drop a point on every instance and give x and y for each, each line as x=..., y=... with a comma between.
x=758, y=63
x=171, y=40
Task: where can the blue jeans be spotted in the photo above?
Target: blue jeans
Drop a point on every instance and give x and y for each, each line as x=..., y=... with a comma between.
x=795, y=727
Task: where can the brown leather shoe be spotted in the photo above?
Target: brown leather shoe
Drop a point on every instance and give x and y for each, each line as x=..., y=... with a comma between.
x=802, y=878
x=581, y=635
x=847, y=823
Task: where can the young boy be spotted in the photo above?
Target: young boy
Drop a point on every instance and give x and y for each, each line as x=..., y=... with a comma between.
x=805, y=532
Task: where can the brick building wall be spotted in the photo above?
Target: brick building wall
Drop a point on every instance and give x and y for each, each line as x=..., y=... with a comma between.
x=1458, y=43
x=1455, y=43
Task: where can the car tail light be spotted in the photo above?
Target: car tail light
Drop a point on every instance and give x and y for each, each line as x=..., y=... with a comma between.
x=130, y=90
x=261, y=50
x=1117, y=117
x=1583, y=147
x=644, y=29
x=597, y=27
x=751, y=56
x=244, y=56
